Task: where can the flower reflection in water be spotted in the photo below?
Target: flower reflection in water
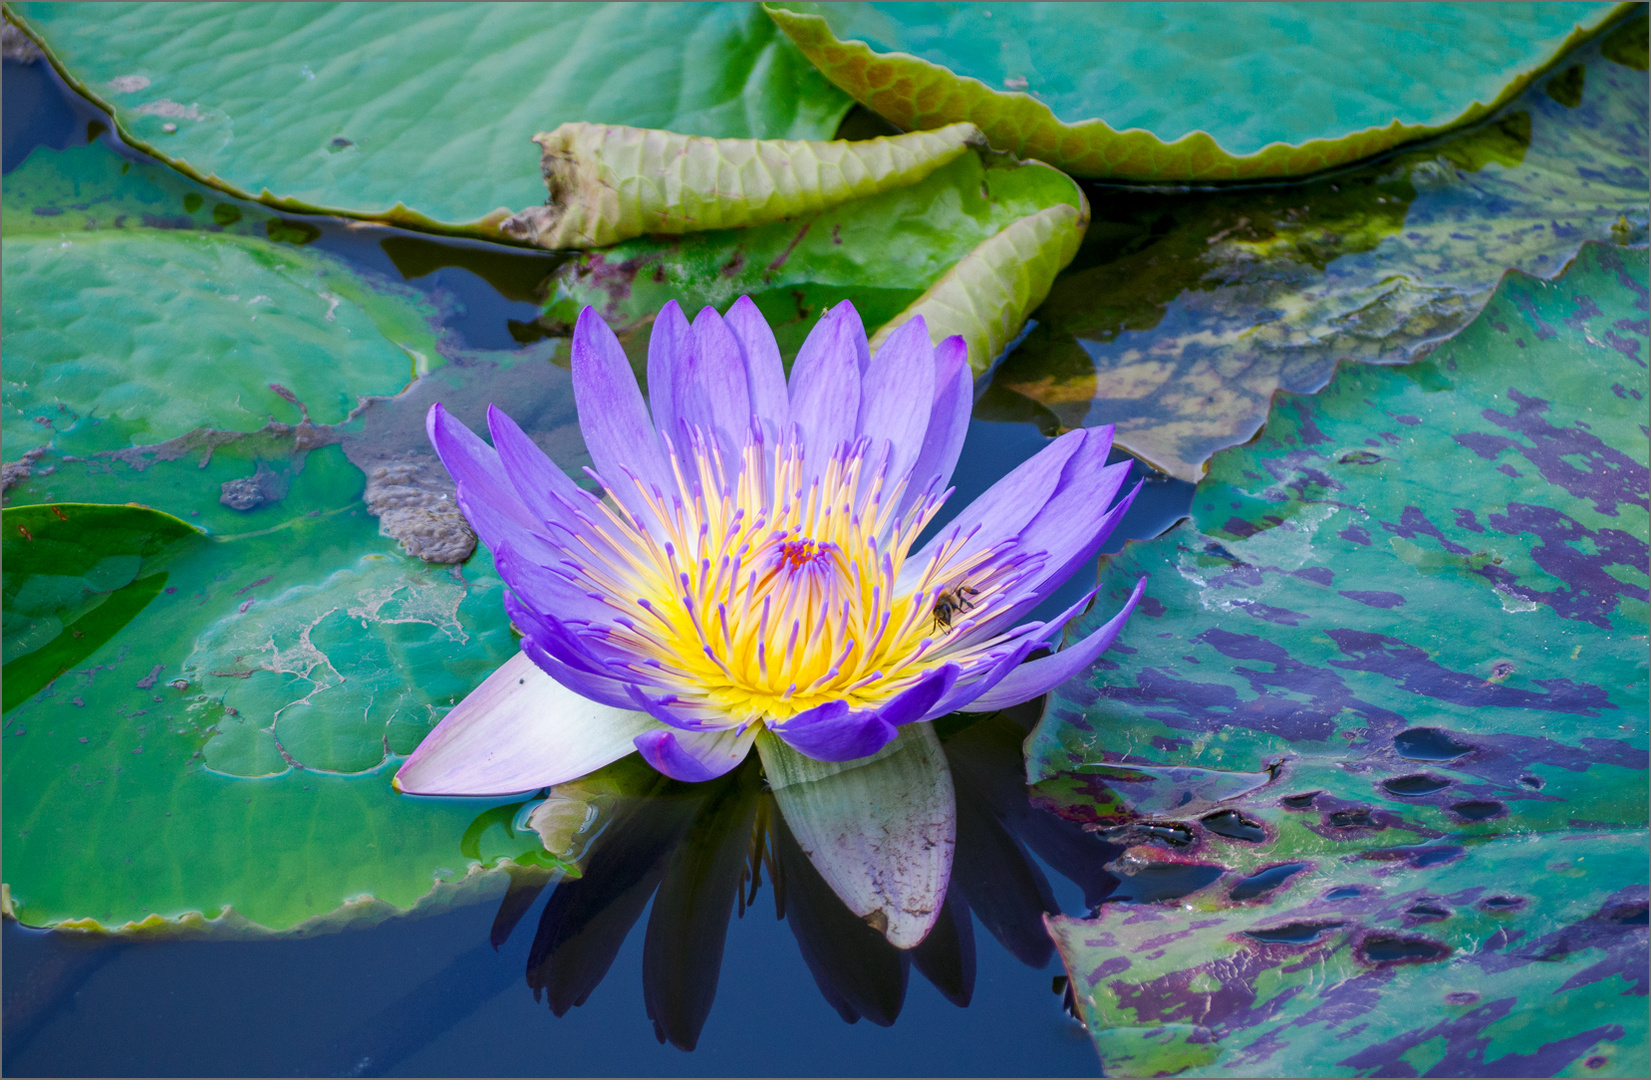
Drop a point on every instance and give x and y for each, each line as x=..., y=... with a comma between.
x=704, y=852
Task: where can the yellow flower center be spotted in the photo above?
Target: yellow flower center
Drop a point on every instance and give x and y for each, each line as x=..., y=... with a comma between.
x=781, y=590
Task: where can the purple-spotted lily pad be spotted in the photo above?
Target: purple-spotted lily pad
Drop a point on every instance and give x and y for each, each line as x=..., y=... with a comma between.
x=1419, y=600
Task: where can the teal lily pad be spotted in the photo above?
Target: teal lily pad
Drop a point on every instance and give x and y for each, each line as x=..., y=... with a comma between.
x=1138, y=92
x=423, y=115
x=880, y=252
x=1184, y=312
x=91, y=187
x=125, y=337
x=1420, y=601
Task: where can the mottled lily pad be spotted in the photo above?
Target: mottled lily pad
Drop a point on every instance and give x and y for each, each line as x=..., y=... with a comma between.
x=1524, y=957
x=1189, y=92
x=880, y=252
x=421, y=115
x=1420, y=600
x=1185, y=311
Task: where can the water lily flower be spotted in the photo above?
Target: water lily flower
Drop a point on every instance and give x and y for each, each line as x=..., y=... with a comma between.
x=749, y=577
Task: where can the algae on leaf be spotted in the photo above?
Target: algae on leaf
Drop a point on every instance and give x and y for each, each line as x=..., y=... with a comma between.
x=422, y=114
x=1189, y=91
x=1421, y=598
x=1185, y=311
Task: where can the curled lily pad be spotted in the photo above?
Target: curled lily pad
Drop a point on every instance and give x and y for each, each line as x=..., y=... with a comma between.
x=1184, y=312
x=985, y=298
x=881, y=252
x=1421, y=599
x=421, y=116
x=1131, y=92
x=609, y=183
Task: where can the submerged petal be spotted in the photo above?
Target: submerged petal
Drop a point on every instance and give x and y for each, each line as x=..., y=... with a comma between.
x=880, y=830
x=520, y=730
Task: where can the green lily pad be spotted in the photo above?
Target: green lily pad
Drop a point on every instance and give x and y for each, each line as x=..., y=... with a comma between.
x=145, y=784
x=1136, y=92
x=1420, y=600
x=880, y=252
x=135, y=337
x=1184, y=312
x=421, y=116
x=74, y=576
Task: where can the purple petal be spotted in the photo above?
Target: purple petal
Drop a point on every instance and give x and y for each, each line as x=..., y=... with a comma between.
x=830, y=732
x=555, y=636
x=914, y=702
x=520, y=730
x=618, y=433
x=972, y=685
x=541, y=486
x=825, y=383
x=696, y=756
x=1073, y=551
x=674, y=712
x=764, y=370
x=599, y=688
x=901, y=373
x=1008, y=505
x=1039, y=676
x=710, y=390
x=669, y=342
x=474, y=465
x=948, y=420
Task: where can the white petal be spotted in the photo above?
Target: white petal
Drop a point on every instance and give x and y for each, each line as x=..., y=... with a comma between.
x=880, y=829
x=520, y=730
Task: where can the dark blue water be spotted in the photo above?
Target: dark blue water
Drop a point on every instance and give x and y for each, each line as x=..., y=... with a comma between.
x=432, y=996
